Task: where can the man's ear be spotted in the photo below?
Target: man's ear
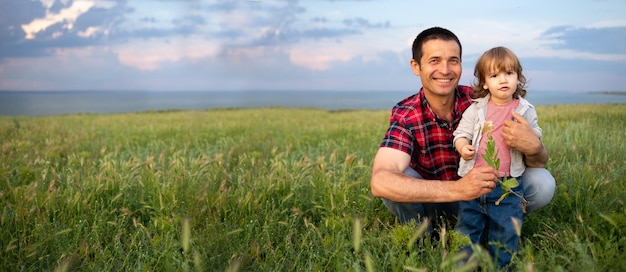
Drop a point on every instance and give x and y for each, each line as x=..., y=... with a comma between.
x=415, y=67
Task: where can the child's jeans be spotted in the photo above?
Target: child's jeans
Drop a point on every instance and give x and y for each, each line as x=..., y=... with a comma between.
x=492, y=225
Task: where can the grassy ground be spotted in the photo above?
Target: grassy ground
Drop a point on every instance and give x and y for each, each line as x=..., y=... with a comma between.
x=272, y=189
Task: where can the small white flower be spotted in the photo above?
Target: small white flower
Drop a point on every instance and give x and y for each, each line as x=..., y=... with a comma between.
x=488, y=127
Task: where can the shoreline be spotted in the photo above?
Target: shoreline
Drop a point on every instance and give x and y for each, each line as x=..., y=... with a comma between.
x=26, y=103
x=610, y=92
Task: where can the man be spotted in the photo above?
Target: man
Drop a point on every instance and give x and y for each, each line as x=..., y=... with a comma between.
x=415, y=168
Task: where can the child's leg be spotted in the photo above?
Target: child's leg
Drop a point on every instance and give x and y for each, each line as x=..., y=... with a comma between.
x=472, y=219
x=503, y=237
x=471, y=222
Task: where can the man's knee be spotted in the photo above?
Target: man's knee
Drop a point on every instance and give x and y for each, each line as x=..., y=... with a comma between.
x=539, y=186
x=405, y=212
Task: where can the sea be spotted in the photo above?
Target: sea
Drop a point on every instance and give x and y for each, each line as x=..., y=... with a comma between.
x=49, y=103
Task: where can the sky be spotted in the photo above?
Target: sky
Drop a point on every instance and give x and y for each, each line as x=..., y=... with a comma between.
x=169, y=45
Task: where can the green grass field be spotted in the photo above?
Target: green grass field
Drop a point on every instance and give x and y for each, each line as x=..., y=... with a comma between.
x=272, y=190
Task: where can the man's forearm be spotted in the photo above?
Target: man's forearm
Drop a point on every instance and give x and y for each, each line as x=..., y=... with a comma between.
x=539, y=159
x=399, y=187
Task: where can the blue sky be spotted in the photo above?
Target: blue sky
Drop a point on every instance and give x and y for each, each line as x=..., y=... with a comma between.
x=297, y=45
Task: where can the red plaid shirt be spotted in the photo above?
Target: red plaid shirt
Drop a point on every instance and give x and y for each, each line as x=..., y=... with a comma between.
x=415, y=129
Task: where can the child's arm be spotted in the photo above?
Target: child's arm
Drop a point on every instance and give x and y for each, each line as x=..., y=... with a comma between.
x=464, y=148
x=464, y=132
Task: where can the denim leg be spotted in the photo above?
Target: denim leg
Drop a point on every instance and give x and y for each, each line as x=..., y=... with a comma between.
x=503, y=239
x=406, y=212
x=539, y=186
x=472, y=219
x=472, y=222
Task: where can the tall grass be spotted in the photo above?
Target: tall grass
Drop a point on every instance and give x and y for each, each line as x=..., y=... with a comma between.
x=272, y=189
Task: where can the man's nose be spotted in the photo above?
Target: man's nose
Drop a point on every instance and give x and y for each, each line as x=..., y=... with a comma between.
x=445, y=67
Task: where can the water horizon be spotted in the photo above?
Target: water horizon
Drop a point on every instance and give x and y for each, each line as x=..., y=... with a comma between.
x=48, y=103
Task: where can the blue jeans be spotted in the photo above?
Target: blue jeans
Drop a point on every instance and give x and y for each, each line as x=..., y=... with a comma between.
x=492, y=225
x=538, y=186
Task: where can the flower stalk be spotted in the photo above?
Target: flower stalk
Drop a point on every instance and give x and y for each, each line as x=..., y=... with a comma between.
x=491, y=157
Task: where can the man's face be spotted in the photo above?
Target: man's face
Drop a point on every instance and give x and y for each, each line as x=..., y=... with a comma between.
x=440, y=67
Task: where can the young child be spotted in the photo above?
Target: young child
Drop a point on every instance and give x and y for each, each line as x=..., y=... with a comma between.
x=498, y=91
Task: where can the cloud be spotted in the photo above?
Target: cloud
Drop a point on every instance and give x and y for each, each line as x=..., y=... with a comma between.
x=36, y=29
x=565, y=65
x=228, y=27
x=151, y=54
x=66, y=16
x=606, y=40
x=364, y=23
x=283, y=44
x=22, y=12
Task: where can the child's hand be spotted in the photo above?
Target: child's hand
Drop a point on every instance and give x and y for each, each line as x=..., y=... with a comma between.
x=467, y=152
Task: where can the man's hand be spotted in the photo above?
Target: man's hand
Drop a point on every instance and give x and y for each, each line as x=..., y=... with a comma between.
x=388, y=181
x=518, y=134
x=477, y=182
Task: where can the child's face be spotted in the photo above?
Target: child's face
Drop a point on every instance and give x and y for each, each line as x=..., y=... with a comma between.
x=501, y=85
